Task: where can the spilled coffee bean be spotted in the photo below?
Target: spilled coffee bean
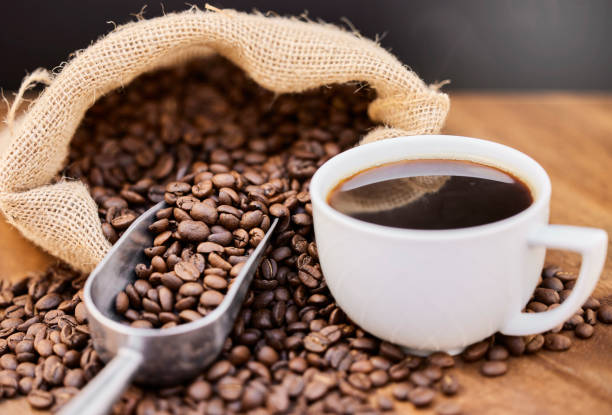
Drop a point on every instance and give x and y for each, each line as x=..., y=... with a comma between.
x=494, y=368
x=49, y=354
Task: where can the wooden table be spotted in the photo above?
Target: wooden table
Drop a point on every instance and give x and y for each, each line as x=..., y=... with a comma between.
x=571, y=136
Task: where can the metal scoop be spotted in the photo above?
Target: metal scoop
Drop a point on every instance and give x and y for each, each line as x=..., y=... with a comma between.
x=152, y=356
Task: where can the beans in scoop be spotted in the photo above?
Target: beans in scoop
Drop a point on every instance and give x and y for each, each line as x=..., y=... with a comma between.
x=201, y=241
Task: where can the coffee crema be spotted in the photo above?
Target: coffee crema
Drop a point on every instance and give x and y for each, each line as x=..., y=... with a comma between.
x=431, y=194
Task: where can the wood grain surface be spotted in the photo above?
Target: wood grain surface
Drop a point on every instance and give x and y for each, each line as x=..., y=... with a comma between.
x=571, y=136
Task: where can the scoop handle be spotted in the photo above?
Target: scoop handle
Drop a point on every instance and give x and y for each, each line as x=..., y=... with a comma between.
x=98, y=397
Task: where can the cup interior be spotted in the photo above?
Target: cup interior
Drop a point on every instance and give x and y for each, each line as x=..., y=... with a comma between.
x=423, y=147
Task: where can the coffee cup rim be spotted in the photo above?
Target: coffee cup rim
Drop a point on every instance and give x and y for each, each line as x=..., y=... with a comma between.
x=319, y=192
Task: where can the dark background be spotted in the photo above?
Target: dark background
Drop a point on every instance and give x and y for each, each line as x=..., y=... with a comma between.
x=485, y=44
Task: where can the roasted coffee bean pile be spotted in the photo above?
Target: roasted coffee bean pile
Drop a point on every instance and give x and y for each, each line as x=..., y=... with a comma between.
x=292, y=349
x=206, y=116
x=45, y=349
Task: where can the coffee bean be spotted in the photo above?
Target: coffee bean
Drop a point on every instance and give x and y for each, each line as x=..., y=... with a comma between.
x=143, y=324
x=74, y=378
x=442, y=359
x=315, y=390
x=399, y=371
x=190, y=289
x=537, y=307
x=364, y=343
x=53, y=370
x=278, y=400
x=8, y=361
x=162, y=238
x=383, y=403
x=211, y=298
x=151, y=306
x=267, y=355
x=80, y=313
x=217, y=261
x=71, y=358
x=193, y=231
x=9, y=380
x=550, y=271
x=362, y=366
x=40, y=399
x=546, y=296
x=420, y=396
x=166, y=298
x=514, y=344
x=494, y=368
x=251, y=219
x=434, y=373
x=557, y=342
x=24, y=346
x=565, y=276
x=552, y=283
x=379, y=362
x=604, y=314
x=394, y=353
x=449, y=385
x=476, y=351
x=497, y=352
x=316, y=342
x=584, y=330
x=534, y=344
x=48, y=301
x=223, y=237
x=279, y=210
x=218, y=370
x=123, y=221
x=44, y=347
x=199, y=390
x=230, y=388
x=223, y=180
x=590, y=317
x=302, y=219
x=189, y=315
x=448, y=408
x=254, y=396
x=26, y=369
x=360, y=381
x=298, y=364
x=25, y=385
x=591, y=303
x=208, y=247
x=109, y=233
x=379, y=377
x=401, y=390
x=419, y=378
x=573, y=321
x=186, y=271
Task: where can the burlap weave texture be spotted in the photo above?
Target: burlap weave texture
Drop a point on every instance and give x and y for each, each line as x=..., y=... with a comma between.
x=281, y=54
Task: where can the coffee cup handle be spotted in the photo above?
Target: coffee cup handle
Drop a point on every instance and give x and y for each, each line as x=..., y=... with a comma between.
x=591, y=243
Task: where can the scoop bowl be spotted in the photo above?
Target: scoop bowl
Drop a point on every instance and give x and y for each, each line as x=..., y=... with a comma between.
x=147, y=355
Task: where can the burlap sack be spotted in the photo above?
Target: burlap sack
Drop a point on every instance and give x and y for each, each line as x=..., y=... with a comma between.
x=281, y=54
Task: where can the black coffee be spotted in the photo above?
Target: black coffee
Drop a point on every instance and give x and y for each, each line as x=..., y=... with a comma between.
x=431, y=194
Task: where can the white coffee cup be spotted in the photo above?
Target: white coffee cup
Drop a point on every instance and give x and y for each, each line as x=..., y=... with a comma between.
x=432, y=290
